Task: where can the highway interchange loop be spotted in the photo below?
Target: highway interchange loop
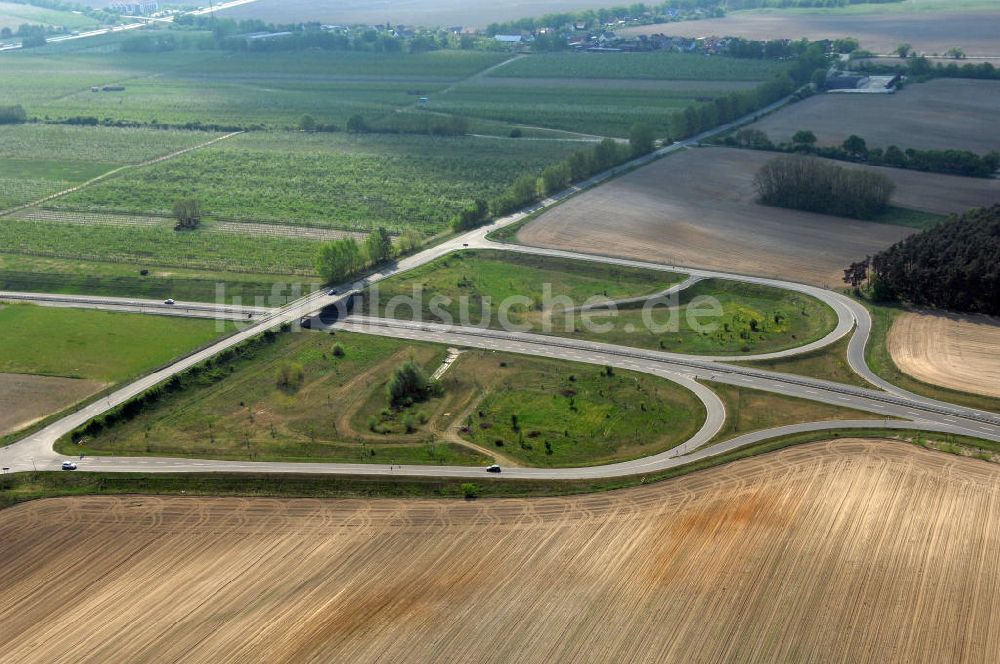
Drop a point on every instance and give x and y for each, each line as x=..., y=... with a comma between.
x=891, y=406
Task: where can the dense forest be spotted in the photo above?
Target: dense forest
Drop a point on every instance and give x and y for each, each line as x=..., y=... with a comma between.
x=955, y=265
x=807, y=183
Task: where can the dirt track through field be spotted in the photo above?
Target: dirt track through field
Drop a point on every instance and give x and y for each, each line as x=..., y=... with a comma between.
x=957, y=351
x=697, y=209
x=847, y=551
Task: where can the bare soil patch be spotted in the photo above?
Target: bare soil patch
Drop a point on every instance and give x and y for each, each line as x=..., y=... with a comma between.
x=928, y=32
x=959, y=351
x=697, y=209
x=26, y=398
x=847, y=551
x=943, y=114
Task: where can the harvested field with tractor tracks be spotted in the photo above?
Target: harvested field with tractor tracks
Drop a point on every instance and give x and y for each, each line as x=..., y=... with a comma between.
x=836, y=551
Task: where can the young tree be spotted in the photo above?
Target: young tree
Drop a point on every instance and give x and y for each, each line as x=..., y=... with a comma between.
x=855, y=146
x=187, y=212
x=903, y=50
x=337, y=260
x=378, y=245
x=641, y=138
x=307, y=123
x=804, y=139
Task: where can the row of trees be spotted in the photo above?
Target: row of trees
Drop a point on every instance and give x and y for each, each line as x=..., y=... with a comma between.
x=855, y=148
x=395, y=123
x=339, y=260
x=806, y=183
x=955, y=265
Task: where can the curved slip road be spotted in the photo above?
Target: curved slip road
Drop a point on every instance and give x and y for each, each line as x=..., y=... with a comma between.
x=35, y=450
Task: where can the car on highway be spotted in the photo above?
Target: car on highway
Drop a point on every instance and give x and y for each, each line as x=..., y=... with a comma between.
x=169, y=301
x=332, y=292
x=68, y=465
x=495, y=468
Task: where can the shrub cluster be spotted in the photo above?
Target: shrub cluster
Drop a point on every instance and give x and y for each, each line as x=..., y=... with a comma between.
x=806, y=183
x=955, y=265
x=410, y=384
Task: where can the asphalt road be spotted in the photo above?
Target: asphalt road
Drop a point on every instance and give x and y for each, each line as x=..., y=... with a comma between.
x=888, y=401
x=140, y=306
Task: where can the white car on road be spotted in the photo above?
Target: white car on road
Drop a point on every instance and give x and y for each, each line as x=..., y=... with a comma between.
x=68, y=465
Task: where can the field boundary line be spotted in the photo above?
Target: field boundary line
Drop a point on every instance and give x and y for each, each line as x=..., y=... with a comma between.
x=115, y=171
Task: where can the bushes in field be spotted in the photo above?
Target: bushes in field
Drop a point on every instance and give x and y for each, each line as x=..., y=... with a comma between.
x=13, y=115
x=187, y=212
x=806, y=183
x=955, y=265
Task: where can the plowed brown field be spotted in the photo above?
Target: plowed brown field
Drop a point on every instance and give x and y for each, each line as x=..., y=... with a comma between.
x=945, y=114
x=957, y=351
x=849, y=551
x=696, y=209
x=929, y=32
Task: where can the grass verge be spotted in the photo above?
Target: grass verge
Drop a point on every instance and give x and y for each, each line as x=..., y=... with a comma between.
x=23, y=487
x=829, y=363
x=754, y=410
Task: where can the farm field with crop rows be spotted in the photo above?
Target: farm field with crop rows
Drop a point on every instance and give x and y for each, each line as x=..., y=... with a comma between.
x=345, y=181
x=657, y=66
x=39, y=160
x=234, y=89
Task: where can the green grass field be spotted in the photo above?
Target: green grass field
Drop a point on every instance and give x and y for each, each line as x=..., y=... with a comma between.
x=100, y=345
x=159, y=246
x=657, y=66
x=556, y=414
x=333, y=180
x=20, y=272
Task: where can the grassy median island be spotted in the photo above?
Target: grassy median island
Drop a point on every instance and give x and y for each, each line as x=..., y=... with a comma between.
x=499, y=275
x=749, y=318
x=551, y=413
x=755, y=410
x=318, y=397
x=284, y=397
